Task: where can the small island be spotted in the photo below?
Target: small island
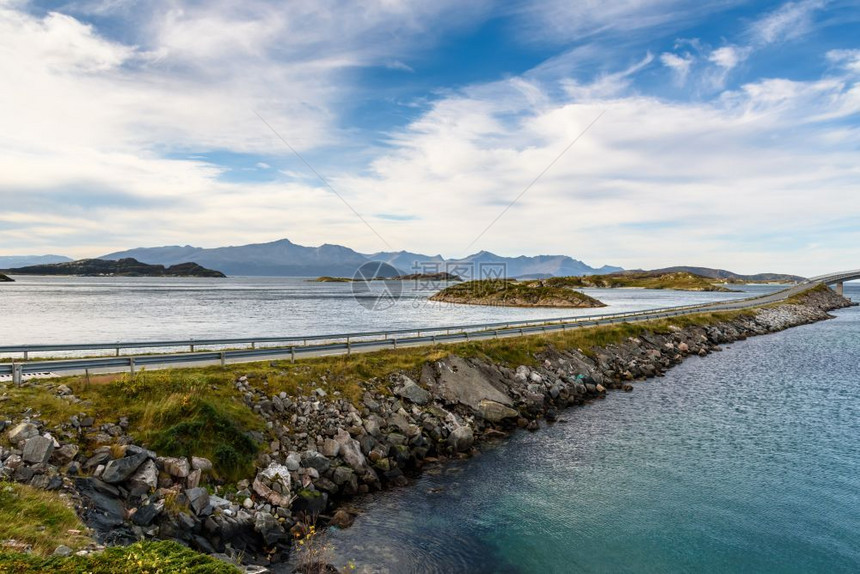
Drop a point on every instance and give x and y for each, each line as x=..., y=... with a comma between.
x=4, y=279
x=411, y=277
x=513, y=293
x=678, y=280
x=120, y=268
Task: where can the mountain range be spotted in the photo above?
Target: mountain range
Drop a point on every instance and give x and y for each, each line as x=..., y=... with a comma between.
x=10, y=261
x=285, y=258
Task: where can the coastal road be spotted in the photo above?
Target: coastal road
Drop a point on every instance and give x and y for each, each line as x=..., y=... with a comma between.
x=345, y=344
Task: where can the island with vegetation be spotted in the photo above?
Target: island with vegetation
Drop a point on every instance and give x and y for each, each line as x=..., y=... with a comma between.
x=411, y=277
x=677, y=280
x=5, y=279
x=120, y=268
x=513, y=293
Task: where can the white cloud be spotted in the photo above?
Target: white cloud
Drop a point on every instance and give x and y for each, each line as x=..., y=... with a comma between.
x=846, y=59
x=789, y=21
x=680, y=65
x=728, y=57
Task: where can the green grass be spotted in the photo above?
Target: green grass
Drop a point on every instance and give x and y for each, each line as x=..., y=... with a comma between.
x=164, y=557
x=512, y=293
x=39, y=518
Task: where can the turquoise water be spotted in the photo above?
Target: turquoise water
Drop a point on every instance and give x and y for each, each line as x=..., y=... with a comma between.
x=743, y=461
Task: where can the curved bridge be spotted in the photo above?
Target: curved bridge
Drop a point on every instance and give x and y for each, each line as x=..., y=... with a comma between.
x=288, y=347
x=836, y=279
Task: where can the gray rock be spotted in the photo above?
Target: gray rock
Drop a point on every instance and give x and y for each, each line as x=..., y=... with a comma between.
x=121, y=469
x=146, y=475
x=22, y=431
x=461, y=382
x=294, y=461
x=269, y=529
x=313, y=459
x=410, y=391
x=66, y=454
x=461, y=439
x=146, y=515
x=495, y=412
x=62, y=550
x=37, y=449
x=198, y=499
x=330, y=448
x=176, y=467
x=200, y=463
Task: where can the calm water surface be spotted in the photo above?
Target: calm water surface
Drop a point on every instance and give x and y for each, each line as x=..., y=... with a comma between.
x=91, y=309
x=743, y=461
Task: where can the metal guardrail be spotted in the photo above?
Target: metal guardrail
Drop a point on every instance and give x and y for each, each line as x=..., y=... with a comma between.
x=345, y=342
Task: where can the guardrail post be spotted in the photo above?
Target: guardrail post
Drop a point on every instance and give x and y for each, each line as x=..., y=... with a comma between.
x=395, y=342
x=293, y=354
x=117, y=351
x=16, y=374
x=253, y=345
x=467, y=334
x=223, y=359
x=131, y=365
x=26, y=355
x=348, y=347
x=192, y=346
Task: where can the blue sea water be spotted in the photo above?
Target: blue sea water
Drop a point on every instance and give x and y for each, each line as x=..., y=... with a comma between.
x=742, y=461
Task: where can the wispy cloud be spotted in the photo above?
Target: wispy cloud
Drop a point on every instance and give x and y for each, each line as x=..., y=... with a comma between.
x=789, y=21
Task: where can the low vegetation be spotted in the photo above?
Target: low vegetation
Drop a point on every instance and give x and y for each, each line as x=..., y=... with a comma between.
x=512, y=293
x=163, y=557
x=37, y=519
x=679, y=280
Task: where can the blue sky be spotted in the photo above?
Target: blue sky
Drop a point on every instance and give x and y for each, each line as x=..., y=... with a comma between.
x=728, y=132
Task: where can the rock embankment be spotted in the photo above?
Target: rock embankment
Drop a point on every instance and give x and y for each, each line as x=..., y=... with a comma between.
x=322, y=449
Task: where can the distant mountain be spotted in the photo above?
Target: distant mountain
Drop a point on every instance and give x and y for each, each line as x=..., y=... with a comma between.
x=284, y=258
x=487, y=265
x=278, y=258
x=9, y=261
x=724, y=275
x=126, y=267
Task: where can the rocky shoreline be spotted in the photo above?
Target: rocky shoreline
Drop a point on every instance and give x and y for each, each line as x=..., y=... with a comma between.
x=322, y=450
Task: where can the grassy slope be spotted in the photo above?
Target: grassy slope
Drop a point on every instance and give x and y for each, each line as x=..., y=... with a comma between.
x=681, y=281
x=39, y=518
x=511, y=293
x=142, y=558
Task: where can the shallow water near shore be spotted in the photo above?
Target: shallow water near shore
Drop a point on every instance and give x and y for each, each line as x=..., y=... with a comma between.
x=743, y=461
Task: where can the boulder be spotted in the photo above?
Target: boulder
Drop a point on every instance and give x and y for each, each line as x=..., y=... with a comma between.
x=330, y=448
x=350, y=451
x=146, y=515
x=269, y=528
x=22, y=431
x=201, y=464
x=410, y=391
x=273, y=484
x=145, y=477
x=198, y=499
x=37, y=449
x=461, y=382
x=175, y=466
x=121, y=469
x=495, y=412
x=313, y=459
x=65, y=454
x=461, y=439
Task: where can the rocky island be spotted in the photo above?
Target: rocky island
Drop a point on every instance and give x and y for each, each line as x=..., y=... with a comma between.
x=121, y=268
x=513, y=293
x=677, y=280
x=4, y=279
x=411, y=277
